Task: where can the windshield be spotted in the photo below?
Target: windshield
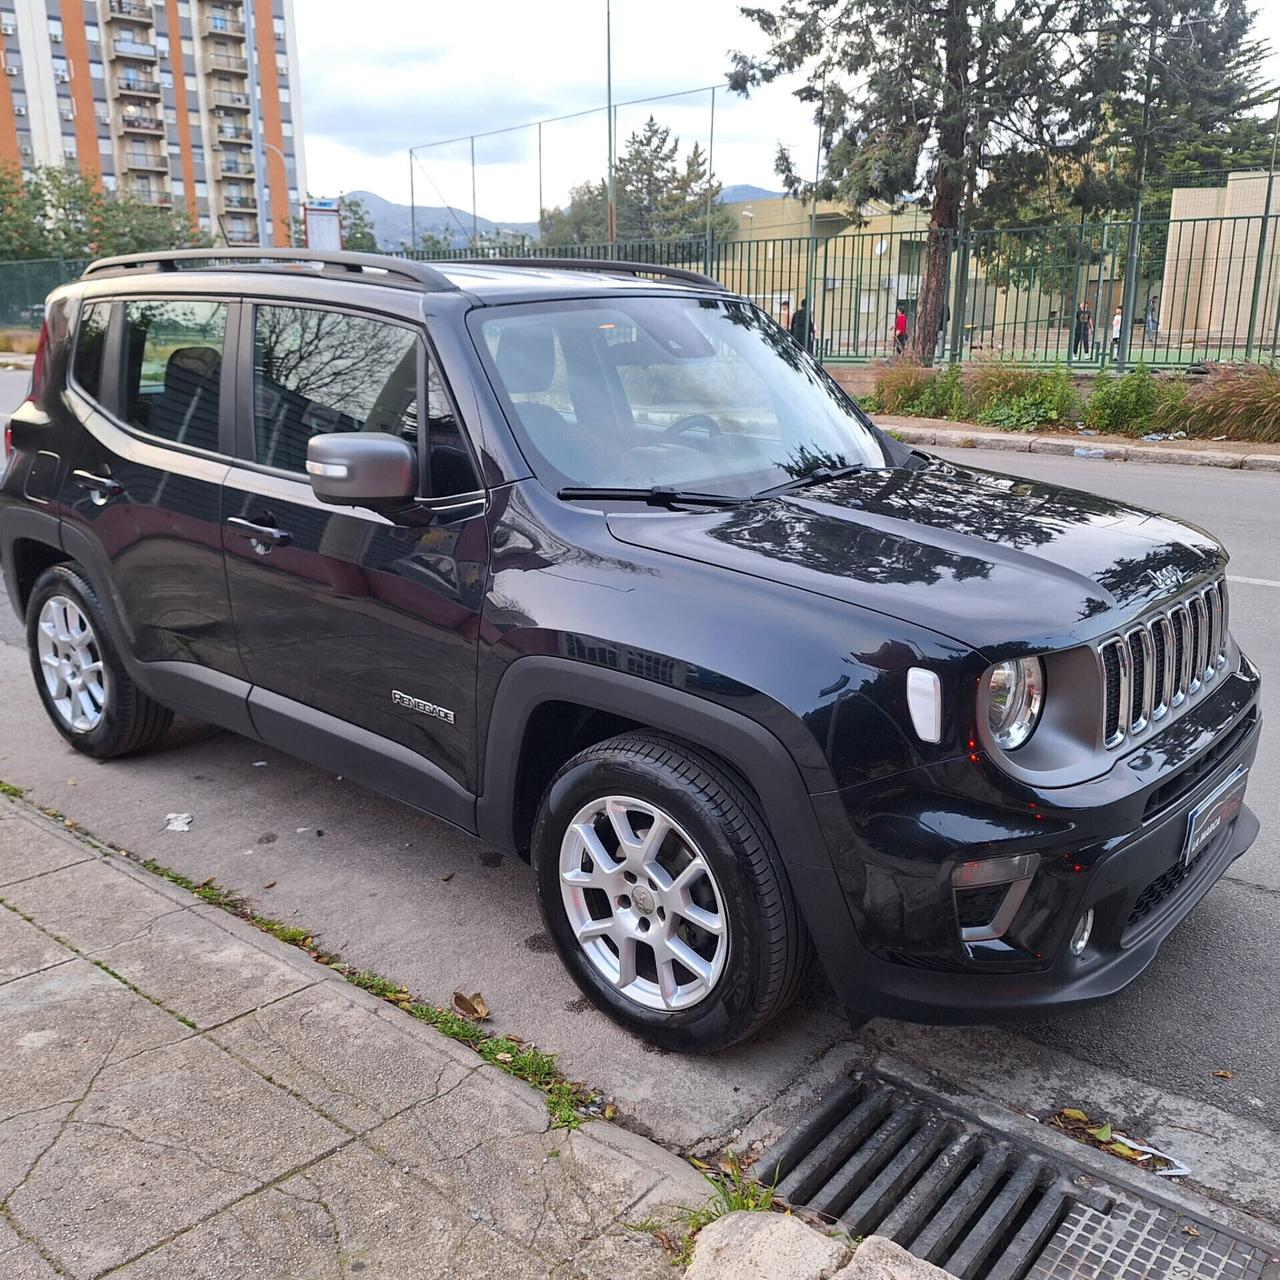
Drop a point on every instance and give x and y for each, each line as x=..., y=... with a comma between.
x=692, y=393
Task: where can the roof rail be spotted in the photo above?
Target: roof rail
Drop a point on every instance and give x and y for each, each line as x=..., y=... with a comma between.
x=399, y=270
x=598, y=264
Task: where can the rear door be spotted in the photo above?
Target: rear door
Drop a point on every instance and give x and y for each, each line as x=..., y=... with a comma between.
x=142, y=491
x=359, y=634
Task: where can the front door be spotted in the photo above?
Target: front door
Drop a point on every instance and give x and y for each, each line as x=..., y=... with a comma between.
x=359, y=633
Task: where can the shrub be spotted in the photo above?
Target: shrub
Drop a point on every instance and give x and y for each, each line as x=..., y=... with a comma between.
x=1240, y=401
x=1124, y=404
x=995, y=383
x=942, y=396
x=899, y=384
x=1035, y=400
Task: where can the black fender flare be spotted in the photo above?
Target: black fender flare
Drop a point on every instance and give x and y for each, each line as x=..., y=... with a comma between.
x=25, y=524
x=746, y=745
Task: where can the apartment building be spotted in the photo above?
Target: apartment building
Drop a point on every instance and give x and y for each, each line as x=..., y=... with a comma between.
x=187, y=103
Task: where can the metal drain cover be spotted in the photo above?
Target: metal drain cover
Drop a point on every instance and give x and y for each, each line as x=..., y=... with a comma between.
x=876, y=1157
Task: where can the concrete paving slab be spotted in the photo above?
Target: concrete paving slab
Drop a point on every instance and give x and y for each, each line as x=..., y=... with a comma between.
x=100, y=1195
x=89, y=905
x=25, y=949
x=196, y=968
x=268, y=1236
x=763, y=1246
x=20, y=1260
x=22, y=855
x=386, y=1220
x=22, y=1138
x=328, y=1050
x=195, y=1097
x=543, y=1187
x=62, y=1026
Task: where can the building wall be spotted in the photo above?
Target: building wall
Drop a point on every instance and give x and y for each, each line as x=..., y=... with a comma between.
x=160, y=97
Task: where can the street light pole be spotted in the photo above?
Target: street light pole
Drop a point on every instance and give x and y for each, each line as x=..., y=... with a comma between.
x=608, y=80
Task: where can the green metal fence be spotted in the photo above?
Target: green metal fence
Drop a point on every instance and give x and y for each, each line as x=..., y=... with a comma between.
x=1206, y=288
x=24, y=286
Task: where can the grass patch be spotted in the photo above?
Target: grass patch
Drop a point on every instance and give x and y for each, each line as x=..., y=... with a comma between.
x=732, y=1191
x=21, y=342
x=565, y=1098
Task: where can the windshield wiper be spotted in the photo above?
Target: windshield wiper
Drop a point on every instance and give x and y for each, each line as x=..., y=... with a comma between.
x=817, y=476
x=656, y=496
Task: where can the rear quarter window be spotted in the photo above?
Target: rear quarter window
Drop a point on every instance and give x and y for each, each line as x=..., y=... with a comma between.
x=91, y=341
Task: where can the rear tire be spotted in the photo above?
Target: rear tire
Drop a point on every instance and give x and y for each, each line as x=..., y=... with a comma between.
x=84, y=686
x=689, y=937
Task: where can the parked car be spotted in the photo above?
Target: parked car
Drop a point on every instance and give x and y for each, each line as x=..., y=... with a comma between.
x=592, y=560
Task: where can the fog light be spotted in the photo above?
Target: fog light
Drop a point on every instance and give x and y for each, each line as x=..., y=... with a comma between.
x=1084, y=927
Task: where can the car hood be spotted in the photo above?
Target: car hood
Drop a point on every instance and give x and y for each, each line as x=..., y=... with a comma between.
x=986, y=559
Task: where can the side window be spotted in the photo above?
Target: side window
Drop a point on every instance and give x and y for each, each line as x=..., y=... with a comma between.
x=452, y=470
x=172, y=367
x=320, y=371
x=90, y=341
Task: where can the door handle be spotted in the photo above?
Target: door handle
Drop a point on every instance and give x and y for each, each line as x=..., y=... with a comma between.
x=101, y=488
x=263, y=533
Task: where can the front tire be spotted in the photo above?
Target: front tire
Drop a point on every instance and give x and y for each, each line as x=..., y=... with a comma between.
x=84, y=686
x=665, y=895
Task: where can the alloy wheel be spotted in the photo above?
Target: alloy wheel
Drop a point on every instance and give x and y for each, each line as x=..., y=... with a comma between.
x=71, y=664
x=643, y=903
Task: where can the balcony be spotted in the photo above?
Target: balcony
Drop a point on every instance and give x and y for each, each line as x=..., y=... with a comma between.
x=236, y=169
x=234, y=101
x=133, y=49
x=133, y=123
x=217, y=25
x=234, y=133
x=240, y=202
x=130, y=10
x=146, y=160
x=151, y=195
x=137, y=86
x=242, y=237
x=224, y=62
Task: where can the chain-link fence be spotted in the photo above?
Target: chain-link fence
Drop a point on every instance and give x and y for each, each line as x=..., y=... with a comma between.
x=1203, y=288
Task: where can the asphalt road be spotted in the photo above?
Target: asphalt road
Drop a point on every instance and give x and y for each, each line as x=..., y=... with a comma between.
x=402, y=894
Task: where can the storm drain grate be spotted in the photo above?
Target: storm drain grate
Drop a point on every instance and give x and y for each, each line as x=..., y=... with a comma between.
x=877, y=1159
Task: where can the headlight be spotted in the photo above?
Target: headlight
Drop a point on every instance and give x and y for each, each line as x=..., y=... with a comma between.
x=1015, y=696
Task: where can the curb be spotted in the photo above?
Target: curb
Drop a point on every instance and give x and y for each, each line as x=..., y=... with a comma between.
x=1102, y=448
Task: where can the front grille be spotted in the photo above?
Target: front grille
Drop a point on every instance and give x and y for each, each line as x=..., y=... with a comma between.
x=1157, y=891
x=1159, y=664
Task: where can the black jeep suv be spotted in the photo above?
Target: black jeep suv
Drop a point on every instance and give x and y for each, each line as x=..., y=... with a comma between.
x=592, y=560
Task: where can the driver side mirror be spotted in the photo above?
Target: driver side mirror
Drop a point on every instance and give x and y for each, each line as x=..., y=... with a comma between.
x=362, y=469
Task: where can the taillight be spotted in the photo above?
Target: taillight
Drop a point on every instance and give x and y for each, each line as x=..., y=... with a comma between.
x=37, y=368
x=8, y=442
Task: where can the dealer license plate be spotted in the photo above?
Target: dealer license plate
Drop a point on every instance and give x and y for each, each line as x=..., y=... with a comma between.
x=1214, y=813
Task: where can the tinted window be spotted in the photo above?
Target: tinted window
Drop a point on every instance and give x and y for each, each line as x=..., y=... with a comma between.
x=90, y=341
x=315, y=372
x=172, y=366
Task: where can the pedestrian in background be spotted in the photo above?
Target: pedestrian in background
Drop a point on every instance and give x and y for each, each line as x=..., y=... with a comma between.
x=1083, y=340
x=1117, y=321
x=802, y=327
x=1153, y=316
x=900, y=330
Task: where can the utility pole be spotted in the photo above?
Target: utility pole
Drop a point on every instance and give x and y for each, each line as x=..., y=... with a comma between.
x=1262, y=242
x=475, y=221
x=413, y=207
x=1135, y=226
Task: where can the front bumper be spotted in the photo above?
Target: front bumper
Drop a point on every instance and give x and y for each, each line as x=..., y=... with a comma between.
x=1114, y=846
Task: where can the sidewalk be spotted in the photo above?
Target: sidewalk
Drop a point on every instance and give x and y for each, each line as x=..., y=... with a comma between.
x=182, y=1095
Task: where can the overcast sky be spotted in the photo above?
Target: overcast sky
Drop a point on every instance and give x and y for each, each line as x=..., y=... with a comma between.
x=381, y=75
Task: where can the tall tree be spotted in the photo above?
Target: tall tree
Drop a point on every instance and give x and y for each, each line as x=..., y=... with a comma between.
x=658, y=196
x=357, y=226
x=909, y=98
